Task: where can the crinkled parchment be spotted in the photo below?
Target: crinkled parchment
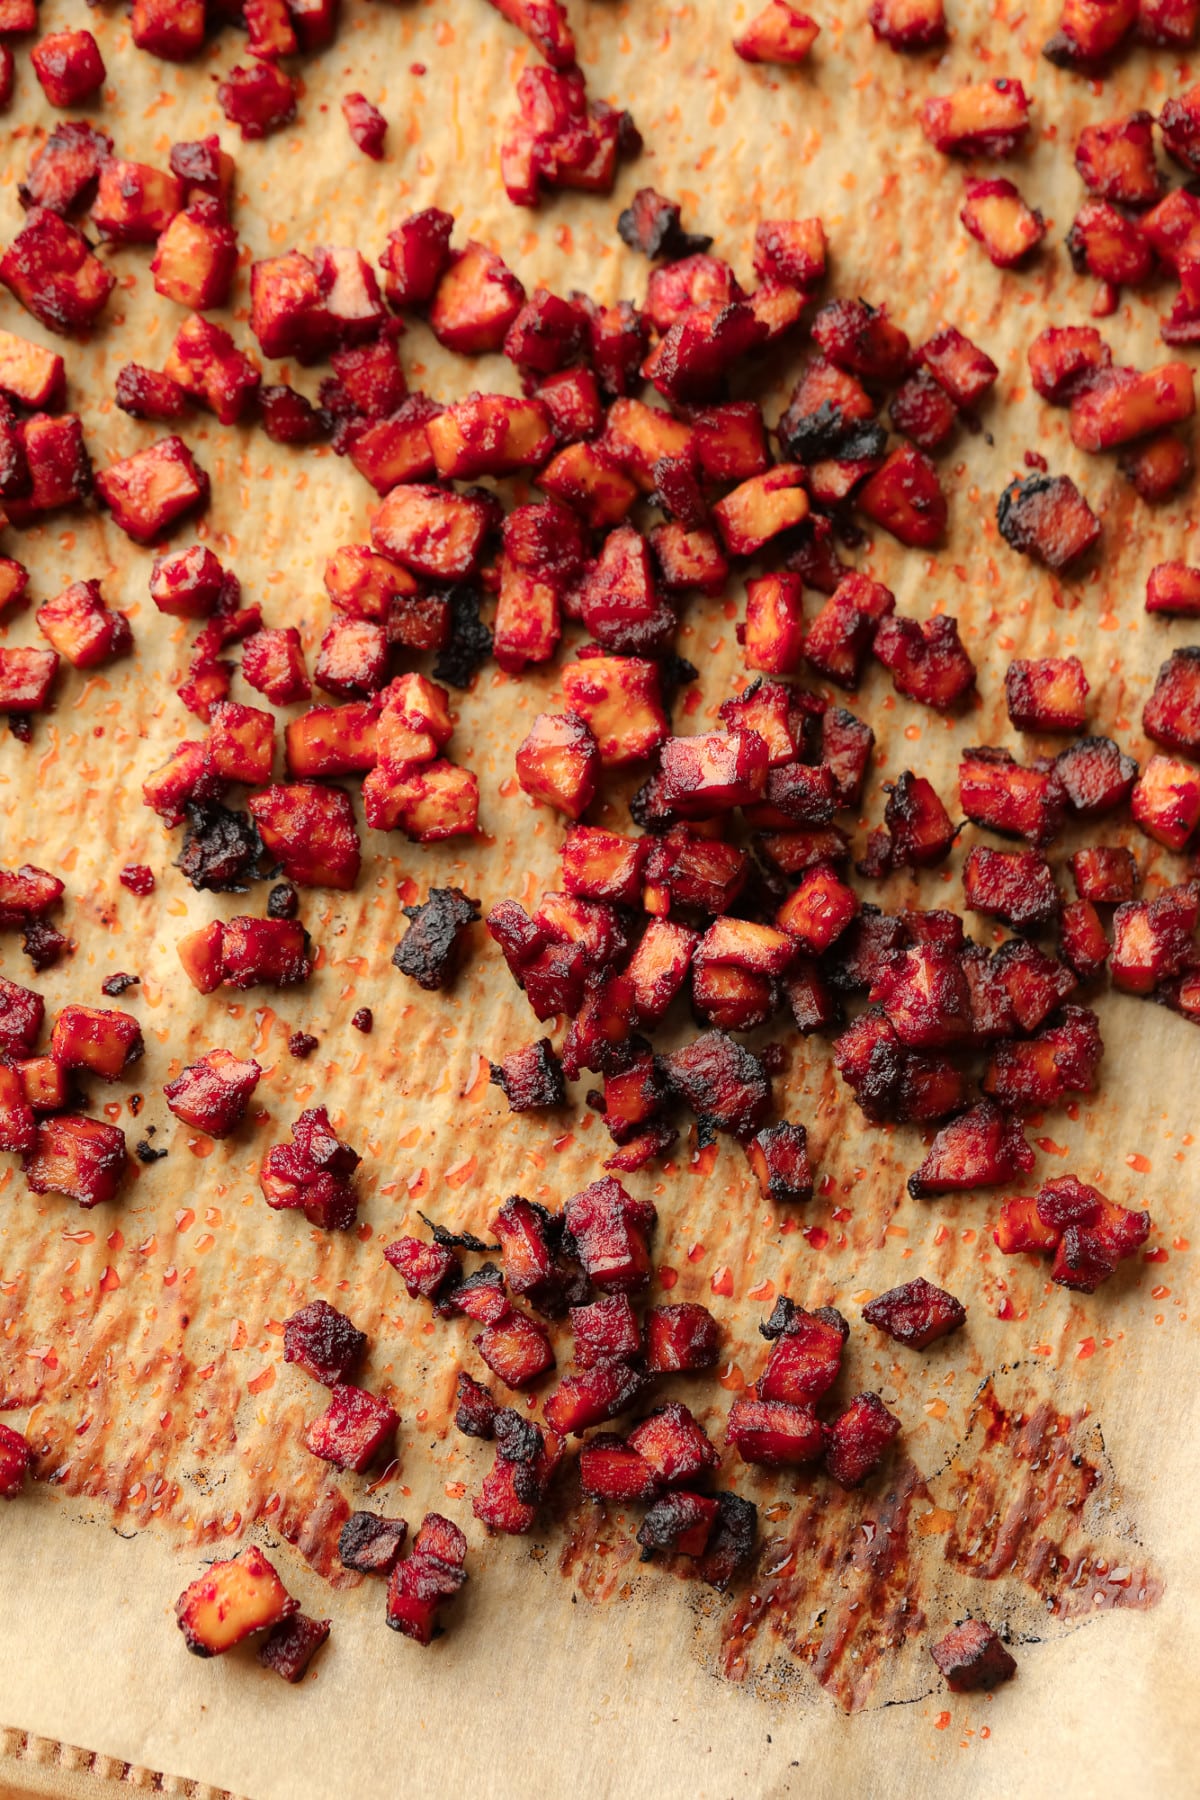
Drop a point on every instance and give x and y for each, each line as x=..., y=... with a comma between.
x=140, y=1343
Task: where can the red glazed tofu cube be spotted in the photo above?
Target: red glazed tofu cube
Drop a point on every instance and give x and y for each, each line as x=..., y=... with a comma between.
x=928, y=662
x=819, y=910
x=1064, y=358
x=353, y=658
x=603, y=865
x=841, y=636
x=780, y=33
x=675, y=1445
x=1122, y=404
x=291, y=1645
x=332, y=740
x=681, y=1338
x=612, y=1232
x=1105, y=874
x=1046, y=693
x=241, y=742
x=958, y=366
x=516, y=1349
x=14, y=1462
x=985, y=118
x=230, y=1601
x=187, y=584
x=713, y=772
x=905, y=497
x=1095, y=775
x=26, y=678
x=82, y=1158
x=172, y=29
x=774, y=631
x=908, y=24
x=1016, y=886
x=806, y=1353
x=432, y=1574
x=29, y=374
x=1166, y=800
x=774, y=1434
x=207, y=364
x=1172, y=714
x=87, y=1037
x=558, y=762
x=433, y=533
x=490, y=434
x=258, y=98
x=18, y=1126
x=152, y=489
x=134, y=202
x=324, y=1343
x=476, y=301
x=212, y=1094
x=353, y=1430
x=53, y=273
x=859, y=1439
x=438, y=800
x=196, y=256
x=82, y=628
x=273, y=664
x=311, y=831
x=778, y=1156
x=996, y=791
x=983, y=1148
x=762, y=507
x=619, y=699
x=1089, y=31
x=69, y=66
x=998, y=218
x=415, y=258
x=917, y=1314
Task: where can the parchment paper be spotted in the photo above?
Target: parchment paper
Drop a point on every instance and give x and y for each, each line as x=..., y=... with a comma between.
x=146, y=1362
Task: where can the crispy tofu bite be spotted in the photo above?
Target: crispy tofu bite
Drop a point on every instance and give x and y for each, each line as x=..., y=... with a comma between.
x=426, y=1579
x=971, y=1657
x=428, y=952
x=231, y=1601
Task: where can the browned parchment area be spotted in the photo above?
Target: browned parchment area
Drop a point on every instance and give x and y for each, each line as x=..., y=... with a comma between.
x=141, y=1343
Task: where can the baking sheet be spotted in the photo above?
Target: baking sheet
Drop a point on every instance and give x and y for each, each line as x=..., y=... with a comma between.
x=141, y=1343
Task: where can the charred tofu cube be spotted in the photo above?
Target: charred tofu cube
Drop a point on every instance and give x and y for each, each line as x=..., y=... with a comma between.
x=172, y=29
x=324, y=1343
x=428, y=952
x=983, y=1148
x=291, y=1645
x=18, y=1126
x=917, y=1314
x=612, y=1231
x=1016, y=886
x=188, y=583
x=353, y=1430
x=208, y=365
x=153, y=489
x=371, y=1544
x=105, y=1043
x=840, y=637
x=212, y=1094
x=230, y=1601
x=778, y=1155
x=429, y=1576
x=332, y=740
x=928, y=662
x=806, y=1353
x=998, y=792
x=681, y=1338
x=313, y=1174
x=80, y=1157
x=1115, y=160
x=720, y=1079
x=972, y=1656
x=311, y=831
x=424, y=1269
x=241, y=742
x=531, y=1079
x=1095, y=775
x=920, y=831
